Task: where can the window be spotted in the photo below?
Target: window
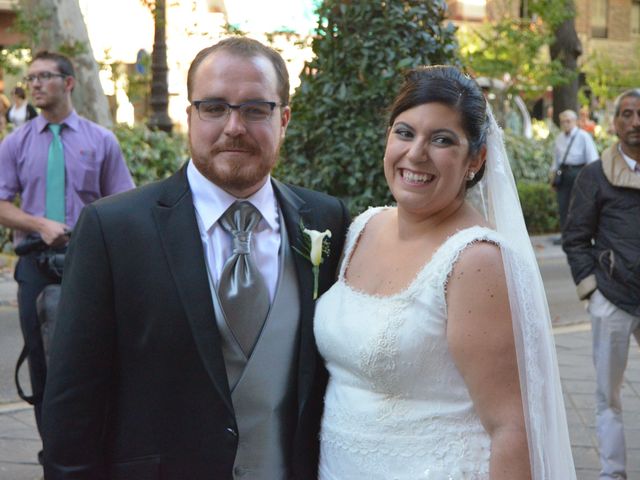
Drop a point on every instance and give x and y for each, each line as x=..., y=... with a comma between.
x=599, y=9
x=635, y=17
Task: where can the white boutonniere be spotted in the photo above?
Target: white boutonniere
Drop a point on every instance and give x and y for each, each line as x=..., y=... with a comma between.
x=315, y=248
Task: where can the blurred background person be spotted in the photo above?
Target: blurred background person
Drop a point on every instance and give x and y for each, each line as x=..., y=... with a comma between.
x=21, y=111
x=573, y=149
x=5, y=104
x=585, y=122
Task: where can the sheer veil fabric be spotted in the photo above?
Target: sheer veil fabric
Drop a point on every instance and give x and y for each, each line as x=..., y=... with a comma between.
x=497, y=198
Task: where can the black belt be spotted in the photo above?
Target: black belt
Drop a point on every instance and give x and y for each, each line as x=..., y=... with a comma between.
x=573, y=167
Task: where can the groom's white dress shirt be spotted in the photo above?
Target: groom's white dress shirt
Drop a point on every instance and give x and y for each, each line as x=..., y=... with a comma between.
x=210, y=202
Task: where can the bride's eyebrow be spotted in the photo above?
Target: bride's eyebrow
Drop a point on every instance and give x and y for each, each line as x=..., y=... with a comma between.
x=402, y=124
x=446, y=130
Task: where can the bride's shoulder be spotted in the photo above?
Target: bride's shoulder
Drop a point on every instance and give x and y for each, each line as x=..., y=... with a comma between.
x=371, y=212
x=365, y=217
x=474, y=237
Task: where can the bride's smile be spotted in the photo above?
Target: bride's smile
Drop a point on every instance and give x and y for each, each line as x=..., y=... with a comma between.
x=427, y=159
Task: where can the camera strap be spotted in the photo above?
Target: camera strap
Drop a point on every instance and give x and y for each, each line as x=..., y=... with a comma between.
x=566, y=152
x=30, y=399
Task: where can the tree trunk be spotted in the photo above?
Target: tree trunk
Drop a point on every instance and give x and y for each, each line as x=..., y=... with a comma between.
x=65, y=30
x=566, y=48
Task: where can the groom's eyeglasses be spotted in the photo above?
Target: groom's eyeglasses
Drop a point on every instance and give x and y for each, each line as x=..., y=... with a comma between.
x=250, y=112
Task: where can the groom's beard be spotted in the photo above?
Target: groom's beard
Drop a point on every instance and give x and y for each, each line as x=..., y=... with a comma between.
x=236, y=166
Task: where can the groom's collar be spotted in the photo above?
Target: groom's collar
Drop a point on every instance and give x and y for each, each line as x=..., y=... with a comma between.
x=211, y=201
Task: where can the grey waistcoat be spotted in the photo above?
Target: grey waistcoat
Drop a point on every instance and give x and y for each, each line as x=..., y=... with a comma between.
x=263, y=386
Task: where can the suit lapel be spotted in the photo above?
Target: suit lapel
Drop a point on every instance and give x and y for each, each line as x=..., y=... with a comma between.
x=180, y=237
x=294, y=210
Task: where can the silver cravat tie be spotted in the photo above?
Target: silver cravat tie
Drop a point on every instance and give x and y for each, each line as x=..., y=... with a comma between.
x=242, y=290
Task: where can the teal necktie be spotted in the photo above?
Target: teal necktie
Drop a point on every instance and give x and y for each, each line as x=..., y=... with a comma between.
x=54, y=206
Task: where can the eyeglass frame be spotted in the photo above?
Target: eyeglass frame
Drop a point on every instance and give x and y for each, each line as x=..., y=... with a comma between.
x=230, y=107
x=43, y=77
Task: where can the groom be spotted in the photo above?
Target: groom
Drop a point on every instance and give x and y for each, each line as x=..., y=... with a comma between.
x=185, y=345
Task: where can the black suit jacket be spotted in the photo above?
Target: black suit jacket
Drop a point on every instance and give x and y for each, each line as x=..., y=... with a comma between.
x=137, y=387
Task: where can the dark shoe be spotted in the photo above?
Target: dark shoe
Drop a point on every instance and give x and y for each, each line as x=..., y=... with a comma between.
x=41, y=457
x=557, y=241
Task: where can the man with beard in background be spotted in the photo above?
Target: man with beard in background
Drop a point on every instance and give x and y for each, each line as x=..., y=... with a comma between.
x=57, y=163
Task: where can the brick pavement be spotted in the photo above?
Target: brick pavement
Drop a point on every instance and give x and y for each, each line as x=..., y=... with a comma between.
x=19, y=442
x=573, y=345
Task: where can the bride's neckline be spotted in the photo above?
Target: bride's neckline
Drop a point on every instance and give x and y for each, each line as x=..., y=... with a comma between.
x=407, y=288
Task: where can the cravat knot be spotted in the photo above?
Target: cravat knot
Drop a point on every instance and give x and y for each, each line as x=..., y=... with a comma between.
x=239, y=220
x=242, y=243
x=242, y=291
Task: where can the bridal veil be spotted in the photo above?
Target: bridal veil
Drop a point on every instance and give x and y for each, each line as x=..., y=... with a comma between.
x=545, y=416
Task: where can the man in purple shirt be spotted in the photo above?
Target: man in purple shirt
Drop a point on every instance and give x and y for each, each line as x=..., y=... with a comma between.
x=91, y=166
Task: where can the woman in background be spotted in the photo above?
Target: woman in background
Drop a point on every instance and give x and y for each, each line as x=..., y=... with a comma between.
x=21, y=111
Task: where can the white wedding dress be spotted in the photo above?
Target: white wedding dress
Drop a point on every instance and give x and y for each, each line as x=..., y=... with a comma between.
x=396, y=407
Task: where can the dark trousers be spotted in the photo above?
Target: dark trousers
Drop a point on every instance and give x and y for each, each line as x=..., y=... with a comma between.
x=563, y=192
x=31, y=281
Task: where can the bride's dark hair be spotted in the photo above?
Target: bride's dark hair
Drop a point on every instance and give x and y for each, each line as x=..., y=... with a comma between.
x=448, y=85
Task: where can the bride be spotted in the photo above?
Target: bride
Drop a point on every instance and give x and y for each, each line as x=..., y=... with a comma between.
x=437, y=335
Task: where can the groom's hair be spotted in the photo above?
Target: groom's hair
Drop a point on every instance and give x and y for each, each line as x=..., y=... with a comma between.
x=246, y=48
x=450, y=86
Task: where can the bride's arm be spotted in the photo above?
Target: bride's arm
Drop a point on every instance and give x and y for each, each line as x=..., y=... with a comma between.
x=480, y=338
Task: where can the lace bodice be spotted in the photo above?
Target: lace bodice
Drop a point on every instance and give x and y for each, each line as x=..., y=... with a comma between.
x=396, y=407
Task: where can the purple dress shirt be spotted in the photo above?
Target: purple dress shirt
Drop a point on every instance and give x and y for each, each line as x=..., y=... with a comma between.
x=94, y=166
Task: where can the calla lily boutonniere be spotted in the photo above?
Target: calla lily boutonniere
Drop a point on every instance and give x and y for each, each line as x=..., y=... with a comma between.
x=315, y=248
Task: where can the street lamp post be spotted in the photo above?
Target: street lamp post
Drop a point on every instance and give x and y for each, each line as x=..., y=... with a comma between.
x=159, y=118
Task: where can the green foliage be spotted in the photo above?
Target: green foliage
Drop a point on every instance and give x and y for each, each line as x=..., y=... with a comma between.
x=539, y=207
x=530, y=158
x=607, y=78
x=150, y=154
x=230, y=30
x=28, y=23
x=552, y=12
x=138, y=85
x=335, y=142
x=5, y=240
x=604, y=139
x=513, y=48
x=73, y=49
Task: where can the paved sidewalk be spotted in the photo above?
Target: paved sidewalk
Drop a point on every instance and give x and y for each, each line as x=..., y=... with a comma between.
x=19, y=442
x=573, y=345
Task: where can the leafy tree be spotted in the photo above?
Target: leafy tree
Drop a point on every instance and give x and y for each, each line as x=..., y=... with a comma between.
x=335, y=142
x=60, y=27
x=607, y=78
x=516, y=48
x=512, y=49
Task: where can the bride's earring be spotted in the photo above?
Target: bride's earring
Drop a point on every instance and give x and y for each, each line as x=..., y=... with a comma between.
x=471, y=175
